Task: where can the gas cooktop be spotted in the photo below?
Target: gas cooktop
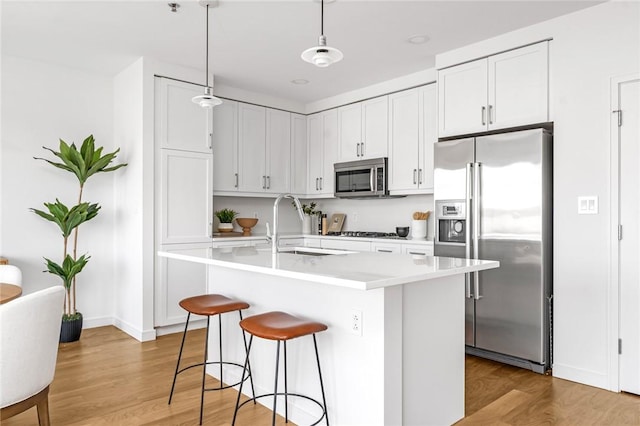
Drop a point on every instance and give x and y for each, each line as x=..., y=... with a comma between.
x=368, y=234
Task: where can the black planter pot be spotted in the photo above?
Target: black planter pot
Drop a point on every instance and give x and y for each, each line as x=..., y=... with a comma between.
x=70, y=330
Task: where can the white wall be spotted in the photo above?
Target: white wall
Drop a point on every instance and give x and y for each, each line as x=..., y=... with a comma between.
x=381, y=215
x=42, y=103
x=588, y=49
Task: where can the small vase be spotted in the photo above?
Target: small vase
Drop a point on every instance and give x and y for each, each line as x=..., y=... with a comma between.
x=225, y=227
x=70, y=330
x=306, y=224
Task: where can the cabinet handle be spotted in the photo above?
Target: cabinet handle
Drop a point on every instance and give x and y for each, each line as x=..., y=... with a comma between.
x=317, y=189
x=414, y=176
x=384, y=251
x=417, y=252
x=362, y=149
x=320, y=184
x=490, y=114
x=236, y=185
x=268, y=182
x=264, y=182
x=210, y=140
x=484, y=113
x=420, y=176
x=357, y=150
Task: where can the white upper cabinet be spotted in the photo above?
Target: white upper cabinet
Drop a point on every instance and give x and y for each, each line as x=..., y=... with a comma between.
x=298, y=154
x=412, y=133
x=225, y=146
x=182, y=124
x=251, y=142
x=278, y=152
x=322, y=129
x=362, y=130
x=505, y=90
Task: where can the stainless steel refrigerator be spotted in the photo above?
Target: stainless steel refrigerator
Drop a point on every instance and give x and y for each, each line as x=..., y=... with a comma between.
x=493, y=200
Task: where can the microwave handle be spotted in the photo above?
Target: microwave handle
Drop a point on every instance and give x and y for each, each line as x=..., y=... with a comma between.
x=372, y=177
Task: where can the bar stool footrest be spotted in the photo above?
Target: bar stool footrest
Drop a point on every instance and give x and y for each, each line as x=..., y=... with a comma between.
x=324, y=411
x=218, y=363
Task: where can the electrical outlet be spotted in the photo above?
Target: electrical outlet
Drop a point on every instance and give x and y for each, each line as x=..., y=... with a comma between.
x=356, y=322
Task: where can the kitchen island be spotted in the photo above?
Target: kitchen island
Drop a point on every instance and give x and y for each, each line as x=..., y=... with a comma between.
x=402, y=363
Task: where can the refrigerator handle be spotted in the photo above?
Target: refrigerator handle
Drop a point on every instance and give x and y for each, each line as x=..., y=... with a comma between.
x=467, y=243
x=476, y=226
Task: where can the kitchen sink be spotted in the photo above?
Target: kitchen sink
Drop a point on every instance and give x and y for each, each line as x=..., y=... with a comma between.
x=308, y=253
x=312, y=251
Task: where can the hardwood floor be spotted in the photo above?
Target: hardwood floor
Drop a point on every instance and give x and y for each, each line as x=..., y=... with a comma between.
x=108, y=378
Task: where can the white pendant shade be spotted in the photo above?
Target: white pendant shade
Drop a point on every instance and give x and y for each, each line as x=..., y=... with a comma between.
x=322, y=55
x=207, y=100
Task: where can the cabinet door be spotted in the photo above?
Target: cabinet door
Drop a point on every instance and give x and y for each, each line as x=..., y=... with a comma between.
x=375, y=127
x=428, y=136
x=462, y=98
x=386, y=248
x=298, y=154
x=329, y=150
x=404, y=126
x=180, y=123
x=315, y=151
x=417, y=249
x=350, y=132
x=278, y=151
x=251, y=137
x=346, y=245
x=186, y=197
x=177, y=280
x=225, y=146
x=518, y=87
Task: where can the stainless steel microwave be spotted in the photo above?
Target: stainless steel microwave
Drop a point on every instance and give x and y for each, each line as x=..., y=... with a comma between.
x=361, y=178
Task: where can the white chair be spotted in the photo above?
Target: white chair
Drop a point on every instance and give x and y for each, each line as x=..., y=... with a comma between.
x=29, y=336
x=10, y=274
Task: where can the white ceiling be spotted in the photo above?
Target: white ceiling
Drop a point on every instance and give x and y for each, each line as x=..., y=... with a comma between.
x=256, y=45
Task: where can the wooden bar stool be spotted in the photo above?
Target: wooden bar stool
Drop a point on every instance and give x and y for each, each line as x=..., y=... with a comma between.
x=281, y=326
x=208, y=305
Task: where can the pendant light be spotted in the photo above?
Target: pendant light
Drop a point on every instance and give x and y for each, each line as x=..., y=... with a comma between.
x=207, y=100
x=322, y=55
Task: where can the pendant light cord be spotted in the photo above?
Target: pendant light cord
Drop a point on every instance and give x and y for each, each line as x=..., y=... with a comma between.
x=207, y=54
x=321, y=17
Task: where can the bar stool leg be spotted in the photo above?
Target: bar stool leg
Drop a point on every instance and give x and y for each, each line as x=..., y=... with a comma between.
x=244, y=370
x=244, y=337
x=220, y=345
x=175, y=375
x=275, y=387
x=324, y=401
x=286, y=395
x=204, y=367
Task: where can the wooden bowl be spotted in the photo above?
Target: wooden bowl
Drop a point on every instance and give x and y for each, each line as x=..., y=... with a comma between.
x=246, y=223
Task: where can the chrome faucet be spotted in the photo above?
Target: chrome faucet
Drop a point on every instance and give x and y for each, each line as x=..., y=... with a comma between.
x=274, y=235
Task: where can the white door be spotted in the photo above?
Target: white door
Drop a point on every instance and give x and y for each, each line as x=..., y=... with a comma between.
x=251, y=137
x=329, y=150
x=298, y=154
x=186, y=197
x=518, y=82
x=375, y=127
x=428, y=135
x=462, y=99
x=278, y=151
x=181, y=124
x=225, y=146
x=404, y=130
x=350, y=131
x=629, y=246
x=314, y=164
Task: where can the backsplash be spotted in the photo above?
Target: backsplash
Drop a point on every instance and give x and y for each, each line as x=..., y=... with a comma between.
x=382, y=215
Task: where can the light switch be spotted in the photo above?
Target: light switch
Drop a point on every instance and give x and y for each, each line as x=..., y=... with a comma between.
x=588, y=205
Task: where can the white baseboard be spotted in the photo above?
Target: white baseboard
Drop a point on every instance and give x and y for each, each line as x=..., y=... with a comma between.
x=97, y=322
x=579, y=375
x=179, y=328
x=140, y=335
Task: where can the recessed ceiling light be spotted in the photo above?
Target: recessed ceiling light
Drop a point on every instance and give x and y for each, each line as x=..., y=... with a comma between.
x=174, y=7
x=300, y=81
x=418, y=39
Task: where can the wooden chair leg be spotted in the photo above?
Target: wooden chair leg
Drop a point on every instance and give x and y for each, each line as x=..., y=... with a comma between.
x=43, y=408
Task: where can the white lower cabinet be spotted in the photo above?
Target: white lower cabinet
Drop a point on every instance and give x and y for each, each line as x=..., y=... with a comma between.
x=386, y=248
x=291, y=242
x=178, y=280
x=421, y=249
x=346, y=245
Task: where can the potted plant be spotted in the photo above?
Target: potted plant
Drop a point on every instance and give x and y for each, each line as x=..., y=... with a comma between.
x=307, y=211
x=225, y=216
x=83, y=164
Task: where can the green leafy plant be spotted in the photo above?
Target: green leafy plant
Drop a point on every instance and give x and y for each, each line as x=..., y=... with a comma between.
x=83, y=163
x=226, y=215
x=307, y=209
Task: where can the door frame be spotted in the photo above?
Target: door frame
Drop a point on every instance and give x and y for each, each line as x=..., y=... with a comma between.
x=614, y=277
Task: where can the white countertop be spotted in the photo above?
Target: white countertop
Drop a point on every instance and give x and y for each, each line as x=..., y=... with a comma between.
x=359, y=270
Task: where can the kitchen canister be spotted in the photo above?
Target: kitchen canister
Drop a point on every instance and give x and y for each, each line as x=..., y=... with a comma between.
x=419, y=229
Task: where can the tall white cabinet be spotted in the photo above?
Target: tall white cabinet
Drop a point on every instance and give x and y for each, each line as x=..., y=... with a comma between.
x=500, y=91
x=412, y=133
x=225, y=146
x=298, y=154
x=183, y=193
x=362, y=129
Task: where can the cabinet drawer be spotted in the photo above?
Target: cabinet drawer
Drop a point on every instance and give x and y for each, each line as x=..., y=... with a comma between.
x=386, y=248
x=346, y=245
x=421, y=249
